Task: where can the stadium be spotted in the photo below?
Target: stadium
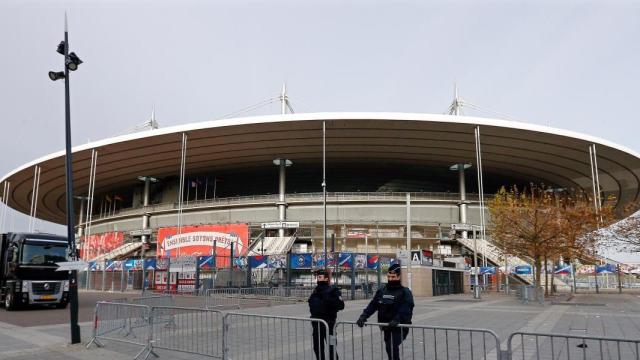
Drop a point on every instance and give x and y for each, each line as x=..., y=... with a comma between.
x=254, y=186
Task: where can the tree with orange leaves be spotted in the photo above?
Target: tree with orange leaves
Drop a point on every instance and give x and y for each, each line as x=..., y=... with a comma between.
x=540, y=224
x=525, y=224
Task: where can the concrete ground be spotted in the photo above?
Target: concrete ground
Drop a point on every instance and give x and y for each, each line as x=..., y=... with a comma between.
x=43, y=334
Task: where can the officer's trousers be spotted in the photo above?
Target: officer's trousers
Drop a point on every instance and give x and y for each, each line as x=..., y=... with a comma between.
x=319, y=339
x=393, y=337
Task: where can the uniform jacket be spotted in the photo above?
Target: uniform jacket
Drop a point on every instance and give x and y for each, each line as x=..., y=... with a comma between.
x=325, y=302
x=391, y=303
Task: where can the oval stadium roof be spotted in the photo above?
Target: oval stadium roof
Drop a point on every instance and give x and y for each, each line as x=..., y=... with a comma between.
x=510, y=148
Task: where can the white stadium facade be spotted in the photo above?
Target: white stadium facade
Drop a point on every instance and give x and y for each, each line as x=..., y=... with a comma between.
x=259, y=181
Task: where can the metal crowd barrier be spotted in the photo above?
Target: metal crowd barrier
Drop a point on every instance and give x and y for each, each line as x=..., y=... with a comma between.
x=190, y=330
x=251, y=336
x=126, y=323
x=257, y=291
x=245, y=297
x=222, y=298
x=523, y=345
x=420, y=342
x=155, y=300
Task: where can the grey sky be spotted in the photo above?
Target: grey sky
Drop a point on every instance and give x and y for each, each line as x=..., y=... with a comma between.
x=571, y=64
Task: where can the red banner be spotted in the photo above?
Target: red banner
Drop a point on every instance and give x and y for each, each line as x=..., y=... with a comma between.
x=95, y=245
x=199, y=241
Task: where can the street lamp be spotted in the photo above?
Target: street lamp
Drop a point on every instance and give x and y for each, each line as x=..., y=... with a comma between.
x=71, y=62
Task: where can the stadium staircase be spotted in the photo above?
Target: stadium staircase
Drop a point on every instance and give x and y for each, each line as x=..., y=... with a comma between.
x=120, y=251
x=494, y=255
x=268, y=245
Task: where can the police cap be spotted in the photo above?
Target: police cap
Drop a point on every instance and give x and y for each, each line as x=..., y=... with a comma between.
x=394, y=269
x=322, y=272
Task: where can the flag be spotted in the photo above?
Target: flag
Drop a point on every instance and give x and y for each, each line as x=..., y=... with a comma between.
x=606, y=269
x=563, y=270
x=108, y=198
x=490, y=270
x=117, y=198
x=194, y=183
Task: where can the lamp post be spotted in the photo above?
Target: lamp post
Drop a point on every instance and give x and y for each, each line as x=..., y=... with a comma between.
x=324, y=192
x=71, y=62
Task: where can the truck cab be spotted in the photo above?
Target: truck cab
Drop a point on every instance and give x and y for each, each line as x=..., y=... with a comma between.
x=28, y=273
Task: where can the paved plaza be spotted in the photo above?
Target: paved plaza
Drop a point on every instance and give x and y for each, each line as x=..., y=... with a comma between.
x=610, y=315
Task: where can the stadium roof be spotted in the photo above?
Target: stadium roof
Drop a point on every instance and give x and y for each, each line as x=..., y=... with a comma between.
x=509, y=148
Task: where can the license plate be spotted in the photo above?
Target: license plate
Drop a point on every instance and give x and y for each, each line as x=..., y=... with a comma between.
x=47, y=297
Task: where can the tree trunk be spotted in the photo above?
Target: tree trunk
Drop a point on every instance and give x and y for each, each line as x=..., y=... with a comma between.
x=546, y=276
x=536, y=265
x=553, y=275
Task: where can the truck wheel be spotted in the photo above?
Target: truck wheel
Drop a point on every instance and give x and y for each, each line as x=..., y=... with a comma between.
x=9, y=302
x=62, y=305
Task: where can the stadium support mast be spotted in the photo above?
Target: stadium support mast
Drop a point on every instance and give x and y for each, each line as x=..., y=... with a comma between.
x=153, y=124
x=283, y=99
x=454, y=108
x=282, y=164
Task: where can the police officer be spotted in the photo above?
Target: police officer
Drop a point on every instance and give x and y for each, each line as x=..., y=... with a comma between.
x=324, y=303
x=394, y=304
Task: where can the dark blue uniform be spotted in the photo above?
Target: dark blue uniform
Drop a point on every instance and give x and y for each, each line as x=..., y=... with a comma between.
x=324, y=303
x=394, y=304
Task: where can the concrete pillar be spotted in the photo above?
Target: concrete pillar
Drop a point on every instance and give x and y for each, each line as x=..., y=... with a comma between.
x=282, y=201
x=463, y=194
x=462, y=189
x=145, y=225
x=282, y=204
x=145, y=203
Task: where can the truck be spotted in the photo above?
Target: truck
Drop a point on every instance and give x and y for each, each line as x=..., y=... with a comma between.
x=28, y=273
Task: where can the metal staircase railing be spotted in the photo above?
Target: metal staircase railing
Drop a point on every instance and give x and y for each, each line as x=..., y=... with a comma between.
x=270, y=246
x=119, y=251
x=495, y=255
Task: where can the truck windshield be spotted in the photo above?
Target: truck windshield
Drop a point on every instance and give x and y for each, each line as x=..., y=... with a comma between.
x=42, y=253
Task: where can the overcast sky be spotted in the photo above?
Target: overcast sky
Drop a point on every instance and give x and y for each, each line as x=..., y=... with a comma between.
x=573, y=65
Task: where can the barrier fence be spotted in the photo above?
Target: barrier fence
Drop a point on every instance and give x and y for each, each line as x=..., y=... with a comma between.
x=187, y=330
x=233, y=336
x=154, y=300
x=522, y=345
x=222, y=298
x=249, y=336
x=125, y=323
x=229, y=298
x=378, y=341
